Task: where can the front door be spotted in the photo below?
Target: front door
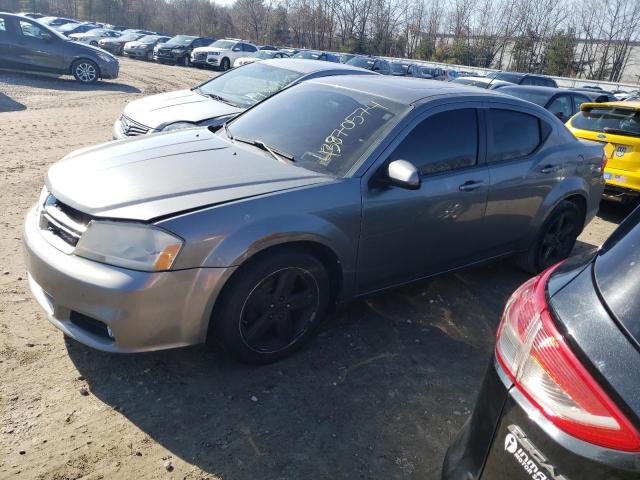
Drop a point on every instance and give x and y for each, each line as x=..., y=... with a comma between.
x=409, y=234
x=38, y=49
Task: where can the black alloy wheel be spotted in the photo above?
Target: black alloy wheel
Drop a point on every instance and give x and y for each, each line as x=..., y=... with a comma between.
x=271, y=306
x=559, y=239
x=279, y=310
x=555, y=239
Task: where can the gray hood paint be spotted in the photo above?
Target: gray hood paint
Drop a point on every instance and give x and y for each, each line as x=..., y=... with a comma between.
x=159, y=110
x=182, y=170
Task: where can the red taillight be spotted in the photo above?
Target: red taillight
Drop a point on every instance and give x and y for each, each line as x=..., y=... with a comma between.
x=542, y=366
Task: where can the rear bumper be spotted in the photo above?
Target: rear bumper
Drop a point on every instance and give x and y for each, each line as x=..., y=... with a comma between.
x=131, y=311
x=508, y=438
x=622, y=180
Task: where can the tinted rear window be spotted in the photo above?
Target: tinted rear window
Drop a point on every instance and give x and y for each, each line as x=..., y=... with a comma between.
x=617, y=272
x=624, y=121
x=512, y=134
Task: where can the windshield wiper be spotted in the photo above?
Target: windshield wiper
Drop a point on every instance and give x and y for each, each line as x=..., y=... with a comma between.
x=619, y=131
x=216, y=97
x=227, y=131
x=275, y=153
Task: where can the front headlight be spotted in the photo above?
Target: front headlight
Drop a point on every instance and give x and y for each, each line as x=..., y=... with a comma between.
x=129, y=245
x=178, y=126
x=214, y=53
x=104, y=57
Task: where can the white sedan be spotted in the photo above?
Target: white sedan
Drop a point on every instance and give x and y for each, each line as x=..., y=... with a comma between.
x=93, y=36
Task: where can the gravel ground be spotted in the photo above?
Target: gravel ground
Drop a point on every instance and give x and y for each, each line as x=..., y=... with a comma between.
x=379, y=394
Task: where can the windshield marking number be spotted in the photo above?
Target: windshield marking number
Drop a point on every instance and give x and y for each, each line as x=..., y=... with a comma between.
x=332, y=146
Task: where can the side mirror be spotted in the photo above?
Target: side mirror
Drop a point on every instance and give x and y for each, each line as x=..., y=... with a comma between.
x=403, y=174
x=236, y=49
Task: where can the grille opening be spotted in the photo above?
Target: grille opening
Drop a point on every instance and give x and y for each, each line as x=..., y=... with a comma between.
x=63, y=221
x=91, y=325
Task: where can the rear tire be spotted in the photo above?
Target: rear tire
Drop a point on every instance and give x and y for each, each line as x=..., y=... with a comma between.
x=555, y=239
x=271, y=307
x=85, y=71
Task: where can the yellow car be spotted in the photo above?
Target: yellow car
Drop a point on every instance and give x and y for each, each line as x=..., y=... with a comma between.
x=617, y=125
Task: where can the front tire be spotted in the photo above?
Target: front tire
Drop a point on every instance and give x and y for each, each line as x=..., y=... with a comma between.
x=271, y=307
x=85, y=71
x=93, y=43
x=555, y=240
x=225, y=64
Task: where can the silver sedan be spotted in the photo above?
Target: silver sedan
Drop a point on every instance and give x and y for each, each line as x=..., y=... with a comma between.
x=247, y=234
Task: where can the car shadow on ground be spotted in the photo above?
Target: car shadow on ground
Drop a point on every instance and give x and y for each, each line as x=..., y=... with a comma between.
x=616, y=212
x=8, y=104
x=379, y=393
x=64, y=83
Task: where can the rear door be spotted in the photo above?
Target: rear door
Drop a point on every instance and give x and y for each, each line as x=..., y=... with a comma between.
x=521, y=170
x=38, y=49
x=408, y=234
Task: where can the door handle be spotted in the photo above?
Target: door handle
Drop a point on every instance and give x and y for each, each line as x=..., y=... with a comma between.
x=471, y=185
x=549, y=169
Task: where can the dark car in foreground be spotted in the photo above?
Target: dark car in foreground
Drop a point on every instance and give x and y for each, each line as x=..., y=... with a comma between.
x=246, y=234
x=560, y=399
x=563, y=103
x=178, y=49
x=221, y=98
x=29, y=46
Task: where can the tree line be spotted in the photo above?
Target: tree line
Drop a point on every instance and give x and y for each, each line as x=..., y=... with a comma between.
x=590, y=39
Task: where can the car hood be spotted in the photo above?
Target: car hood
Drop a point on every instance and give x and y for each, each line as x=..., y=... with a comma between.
x=168, y=173
x=156, y=111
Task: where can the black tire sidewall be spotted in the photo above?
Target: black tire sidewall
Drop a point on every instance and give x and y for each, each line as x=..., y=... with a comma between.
x=225, y=64
x=75, y=75
x=225, y=328
x=563, y=207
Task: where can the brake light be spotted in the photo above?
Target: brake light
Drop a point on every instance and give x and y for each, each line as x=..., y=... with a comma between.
x=542, y=366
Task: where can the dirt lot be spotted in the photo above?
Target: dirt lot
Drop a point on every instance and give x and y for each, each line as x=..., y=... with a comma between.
x=379, y=394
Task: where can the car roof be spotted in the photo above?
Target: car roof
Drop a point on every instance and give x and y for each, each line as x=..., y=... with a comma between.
x=549, y=91
x=405, y=90
x=310, y=66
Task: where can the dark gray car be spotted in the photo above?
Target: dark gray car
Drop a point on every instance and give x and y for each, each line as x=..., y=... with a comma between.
x=27, y=45
x=247, y=234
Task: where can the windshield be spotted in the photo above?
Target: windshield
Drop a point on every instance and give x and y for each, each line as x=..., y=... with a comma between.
x=539, y=98
x=128, y=38
x=264, y=54
x=362, y=62
x=149, y=39
x=223, y=44
x=180, y=40
x=71, y=26
x=624, y=121
x=326, y=129
x=246, y=86
x=507, y=77
x=307, y=55
x=399, y=68
x=95, y=31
